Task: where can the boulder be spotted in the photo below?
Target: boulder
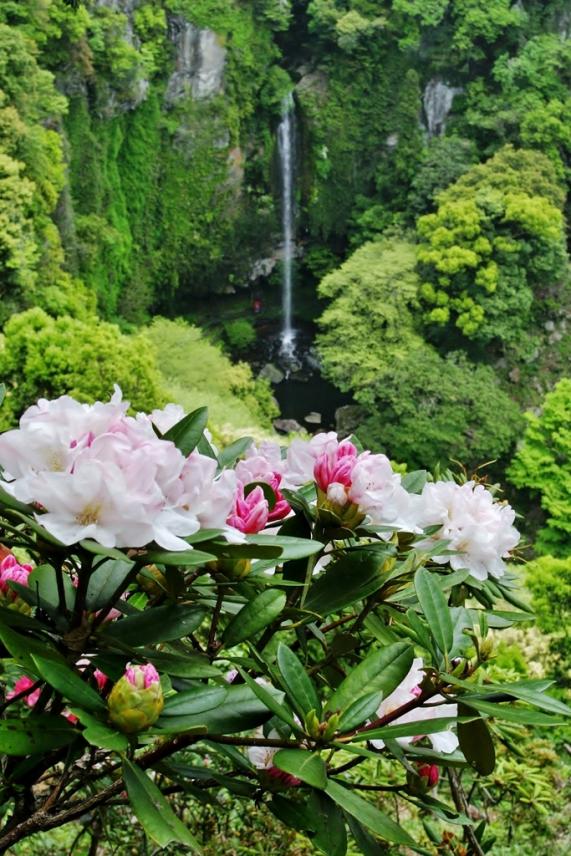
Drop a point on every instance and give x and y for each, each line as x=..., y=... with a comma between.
x=272, y=373
x=287, y=426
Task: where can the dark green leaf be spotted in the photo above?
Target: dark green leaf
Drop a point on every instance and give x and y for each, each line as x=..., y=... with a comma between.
x=419, y=728
x=476, y=743
x=254, y=616
x=329, y=823
x=368, y=845
x=187, y=665
x=270, y=700
x=509, y=713
x=182, y=559
x=99, y=734
x=241, y=710
x=351, y=578
x=307, y=766
x=195, y=701
x=269, y=493
x=22, y=647
x=229, y=455
x=360, y=710
x=157, y=624
x=296, y=682
x=157, y=818
x=104, y=581
x=99, y=550
x=435, y=609
x=368, y=815
x=63, y=679
x=187, y=433
x=381, y=671
x=35, y=735
x=290, y=548
x=8, y=501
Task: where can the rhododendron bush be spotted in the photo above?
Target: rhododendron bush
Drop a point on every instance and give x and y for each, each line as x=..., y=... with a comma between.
x=177, y=618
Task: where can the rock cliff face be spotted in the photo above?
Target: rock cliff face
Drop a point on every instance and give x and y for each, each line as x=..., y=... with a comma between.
x=200, y=61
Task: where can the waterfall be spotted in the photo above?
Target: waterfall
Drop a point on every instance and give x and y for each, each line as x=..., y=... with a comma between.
x=286, y=151
x=438, y=98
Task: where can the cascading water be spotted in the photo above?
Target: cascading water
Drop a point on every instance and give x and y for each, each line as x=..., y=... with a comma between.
x=286, y=151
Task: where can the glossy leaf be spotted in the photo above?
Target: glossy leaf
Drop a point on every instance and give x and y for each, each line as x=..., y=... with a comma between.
x=35, y=735
x=183, y=558
x=360, y=710
x=296, y=682
x=63, y=679
x=195, y=701
x=435, y=609
x=509, y=713
x=230, y=454
x=290, y=548
x=476, y=744
x=254, y=616
x=329, y=824
x=157, y=818
x=270, y=700
x=159, y=624
x=99, y=734
x=351, y=578
x=367, y=814
x=381, y=671
x=186, y=434
x=241, y=710
x=307, y=766
x=104, y=582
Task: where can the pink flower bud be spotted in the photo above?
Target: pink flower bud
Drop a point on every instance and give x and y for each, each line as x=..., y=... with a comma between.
x=142, y=676
x=12, y=570
x=251, y=513
x=335, y=466
x=22, y=684
x=430, y=773
x=282, y=507
x=286, y=779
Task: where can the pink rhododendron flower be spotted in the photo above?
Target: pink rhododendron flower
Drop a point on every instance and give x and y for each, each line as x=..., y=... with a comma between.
x=167, y=418
x=12, y=570
x=430, y=773
x=101, y=474
x=22, y=684
x=251, y=512
x=409, y=689
x=479, y=529
x=142, y=677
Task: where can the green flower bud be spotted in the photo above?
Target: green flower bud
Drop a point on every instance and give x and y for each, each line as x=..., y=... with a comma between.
x=312, y=724
x=152, y=581
x=136, y=700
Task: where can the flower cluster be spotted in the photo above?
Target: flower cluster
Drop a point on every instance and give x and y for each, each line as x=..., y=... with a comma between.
x=95, y=472
x=92, y=471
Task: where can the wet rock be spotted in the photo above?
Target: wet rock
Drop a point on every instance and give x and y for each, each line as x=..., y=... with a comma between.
x=313, y=418
x=200, y=62
x=348, y=418
x=272, y=373
x=287, y=426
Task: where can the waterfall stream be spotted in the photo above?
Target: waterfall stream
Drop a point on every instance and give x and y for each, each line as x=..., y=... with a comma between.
x=286, y=151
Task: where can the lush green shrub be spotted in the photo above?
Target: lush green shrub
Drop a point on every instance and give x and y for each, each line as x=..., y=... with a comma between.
x=240, y=334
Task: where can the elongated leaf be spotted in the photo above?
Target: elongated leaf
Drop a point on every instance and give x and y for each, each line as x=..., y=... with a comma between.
x=187, y=433
x=368, y=815
x=435, y=609
x=381, y=671
x=104, y=582
x=362, y=709
x=157, y=818
x=254, y=616
x=182, y=559
x=307, y=766
x=9, y=501
x=187, y=665
x=42, y=584
x=368, y=845
x=195, y=701
x=71, y=686
x=290, y=548
x=35, y=735
x=296, y=682
x=99, y=734
x=297, y=815
x=329, y=824
x=229, y=455
x=271, y=701
x=159, y=624
x=418, y=728
x=241, y=710
x=99, y=550
x=415, y=481
x=351, y=578
x=509, y=713
x=22, y=647
x=476, y=744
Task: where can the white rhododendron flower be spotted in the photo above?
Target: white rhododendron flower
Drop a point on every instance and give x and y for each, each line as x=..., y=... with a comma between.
x=302, y=455
x=97, y=473
x=409, y=688
x=166, y=418
x=478, y=529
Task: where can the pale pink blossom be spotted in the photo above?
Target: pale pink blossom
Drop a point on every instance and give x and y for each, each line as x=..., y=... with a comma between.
x=167, y=418
x=409, y=688
x=477, y=528
x=302, y=455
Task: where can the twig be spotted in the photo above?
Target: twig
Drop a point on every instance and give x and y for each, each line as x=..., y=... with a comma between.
x=461, y=804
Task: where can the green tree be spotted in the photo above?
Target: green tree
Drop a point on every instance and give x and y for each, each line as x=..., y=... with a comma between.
x=495, y=244
x=427, y=410
x=45, y=356
x=542, y=466
x=368, y=323
x=549, y=581
x=444, y=160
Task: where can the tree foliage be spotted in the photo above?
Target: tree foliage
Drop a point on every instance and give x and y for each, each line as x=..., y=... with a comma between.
x=494, y=248
x=542, y=466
